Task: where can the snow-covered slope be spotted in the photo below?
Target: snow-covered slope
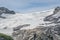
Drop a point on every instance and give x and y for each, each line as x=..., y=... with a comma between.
x=14, y=20
x=47, y=25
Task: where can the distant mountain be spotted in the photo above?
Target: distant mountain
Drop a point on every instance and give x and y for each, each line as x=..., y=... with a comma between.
x=4, y=10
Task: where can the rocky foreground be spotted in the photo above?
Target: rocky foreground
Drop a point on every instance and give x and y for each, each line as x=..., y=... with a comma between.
x=50, y=32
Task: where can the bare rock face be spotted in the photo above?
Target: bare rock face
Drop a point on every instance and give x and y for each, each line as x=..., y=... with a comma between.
x=32, y=34
x=48, y=33
x=6, y=11
x=57, y=9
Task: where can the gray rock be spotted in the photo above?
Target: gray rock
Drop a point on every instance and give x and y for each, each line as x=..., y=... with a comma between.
x=54, y=17
x=4, y=10
x=33, y=34
x=20, y=26
x=2, y=38
x=44, y=33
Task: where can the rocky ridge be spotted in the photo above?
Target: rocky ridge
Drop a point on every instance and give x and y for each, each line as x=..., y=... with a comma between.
x=4, y=11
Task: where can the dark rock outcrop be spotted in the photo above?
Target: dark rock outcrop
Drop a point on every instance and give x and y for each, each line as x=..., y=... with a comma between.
x=20, y=26
x=57, y=9
x=4, y=10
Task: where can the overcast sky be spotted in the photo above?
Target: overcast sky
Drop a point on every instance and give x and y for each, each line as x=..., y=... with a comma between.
x=29, y=5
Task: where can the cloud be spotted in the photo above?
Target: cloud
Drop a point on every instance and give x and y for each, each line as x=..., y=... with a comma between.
x=24, y=5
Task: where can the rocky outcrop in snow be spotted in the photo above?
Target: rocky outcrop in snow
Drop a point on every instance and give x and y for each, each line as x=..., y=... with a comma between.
x=55, y=17
x=20, y=26
x=4, y=10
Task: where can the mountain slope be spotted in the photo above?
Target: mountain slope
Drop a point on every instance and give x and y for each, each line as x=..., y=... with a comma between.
x=51, y=30
x=55, y=17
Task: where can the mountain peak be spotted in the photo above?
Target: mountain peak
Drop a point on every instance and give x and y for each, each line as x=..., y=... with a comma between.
x=57, y=9
x=55, y=17
x=4, y=11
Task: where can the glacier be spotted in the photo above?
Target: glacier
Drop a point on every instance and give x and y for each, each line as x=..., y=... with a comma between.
x=13, y=20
